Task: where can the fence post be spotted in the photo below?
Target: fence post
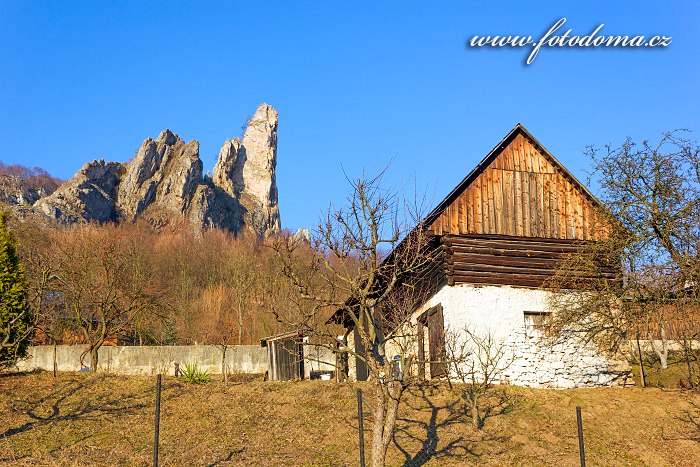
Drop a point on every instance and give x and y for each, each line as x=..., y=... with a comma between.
x=360, y=426
x=157, y=422
x=581, y=451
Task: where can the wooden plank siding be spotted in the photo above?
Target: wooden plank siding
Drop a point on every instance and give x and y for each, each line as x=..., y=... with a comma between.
x=497, y=259
x=521, y=192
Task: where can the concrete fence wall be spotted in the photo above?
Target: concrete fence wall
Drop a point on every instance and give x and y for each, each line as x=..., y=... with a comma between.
x=133, y=360
x=151, y=360
x=673, y=345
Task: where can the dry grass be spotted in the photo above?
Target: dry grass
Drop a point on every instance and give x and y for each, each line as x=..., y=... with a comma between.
x=82, y=419
x=673, y=377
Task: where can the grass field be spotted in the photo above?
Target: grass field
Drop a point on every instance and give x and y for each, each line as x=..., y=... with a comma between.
x=83, y=419
x=673, y=377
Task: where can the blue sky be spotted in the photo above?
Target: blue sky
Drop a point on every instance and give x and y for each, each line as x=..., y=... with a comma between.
x=356, y=84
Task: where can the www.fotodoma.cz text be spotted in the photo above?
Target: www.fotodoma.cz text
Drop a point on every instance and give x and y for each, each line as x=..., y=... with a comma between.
x=553, y=38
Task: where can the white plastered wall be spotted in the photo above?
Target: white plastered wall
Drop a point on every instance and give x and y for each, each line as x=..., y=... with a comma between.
x=535, y=362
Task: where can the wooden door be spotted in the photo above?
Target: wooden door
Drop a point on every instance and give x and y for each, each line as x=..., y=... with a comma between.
x=288, y=360
x=433, y=320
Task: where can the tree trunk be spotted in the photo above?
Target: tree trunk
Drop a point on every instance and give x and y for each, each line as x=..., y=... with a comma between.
x=476, y=422
x=662, y=352
x=663, y=355
x=378, y=412
x=55, y=364
x=240, y=328
x=223, y=364
x=395, y=389
x=641, y=363
x=687, y=349
x=94, y=357
x=240, y=325
x=385, y=413
x=252, y=325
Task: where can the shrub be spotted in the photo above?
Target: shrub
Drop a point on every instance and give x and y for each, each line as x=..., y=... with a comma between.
x=193, y=374
x=15, y=320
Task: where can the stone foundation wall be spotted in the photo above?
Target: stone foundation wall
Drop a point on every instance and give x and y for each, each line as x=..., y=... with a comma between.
x=569, y=364
x=533, y=361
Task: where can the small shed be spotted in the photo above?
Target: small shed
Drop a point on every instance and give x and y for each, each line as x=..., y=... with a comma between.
x=285, y=355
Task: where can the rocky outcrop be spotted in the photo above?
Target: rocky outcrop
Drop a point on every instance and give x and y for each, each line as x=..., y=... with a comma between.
x=246, y=171
x=22, y=186
x=161, y=180
x=164, y=184
x=212, y=207
x=13, y=191
x=89, y=196
x=225, y=168
x=302, y=235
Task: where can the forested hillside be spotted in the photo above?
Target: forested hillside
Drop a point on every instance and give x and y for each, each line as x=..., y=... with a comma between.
x=99, y=282
x=20, y=185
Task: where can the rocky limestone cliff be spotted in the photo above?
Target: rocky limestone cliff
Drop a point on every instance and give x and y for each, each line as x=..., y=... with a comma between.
x=225, y=168
x=22, y=186
x=164, y=184
x=161, y=179
x=13, y=191
x=246, y=171
x=89, y=196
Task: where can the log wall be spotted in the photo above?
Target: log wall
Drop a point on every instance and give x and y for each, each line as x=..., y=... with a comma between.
x=506, y=260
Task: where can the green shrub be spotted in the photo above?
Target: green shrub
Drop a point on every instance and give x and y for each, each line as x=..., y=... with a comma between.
x=15, y=321
x=193, y=374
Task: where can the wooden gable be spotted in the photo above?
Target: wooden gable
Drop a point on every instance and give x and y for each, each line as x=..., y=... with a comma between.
x=519, y=190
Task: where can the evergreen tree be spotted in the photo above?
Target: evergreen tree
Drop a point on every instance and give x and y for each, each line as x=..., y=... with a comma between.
x=169, y=333
x=15, y=320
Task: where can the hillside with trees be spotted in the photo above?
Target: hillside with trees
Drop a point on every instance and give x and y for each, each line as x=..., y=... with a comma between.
x=20, y=185
x=131, y=284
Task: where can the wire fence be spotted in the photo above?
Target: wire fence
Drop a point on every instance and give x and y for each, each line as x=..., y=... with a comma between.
x=441, y=416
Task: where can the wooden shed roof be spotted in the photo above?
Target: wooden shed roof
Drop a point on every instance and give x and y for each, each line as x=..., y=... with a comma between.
x=296, y=333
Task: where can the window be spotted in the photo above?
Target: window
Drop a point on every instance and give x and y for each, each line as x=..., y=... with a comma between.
x=537, y=323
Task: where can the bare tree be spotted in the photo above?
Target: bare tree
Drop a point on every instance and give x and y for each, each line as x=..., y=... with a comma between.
x=242, y=280
x=359, y=257
x=106, y=282
x=477, y=360
x=652, y=197
x=45, y=302
x=219, y=326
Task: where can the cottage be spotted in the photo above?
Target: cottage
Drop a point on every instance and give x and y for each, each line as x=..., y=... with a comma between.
x=501, y=233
